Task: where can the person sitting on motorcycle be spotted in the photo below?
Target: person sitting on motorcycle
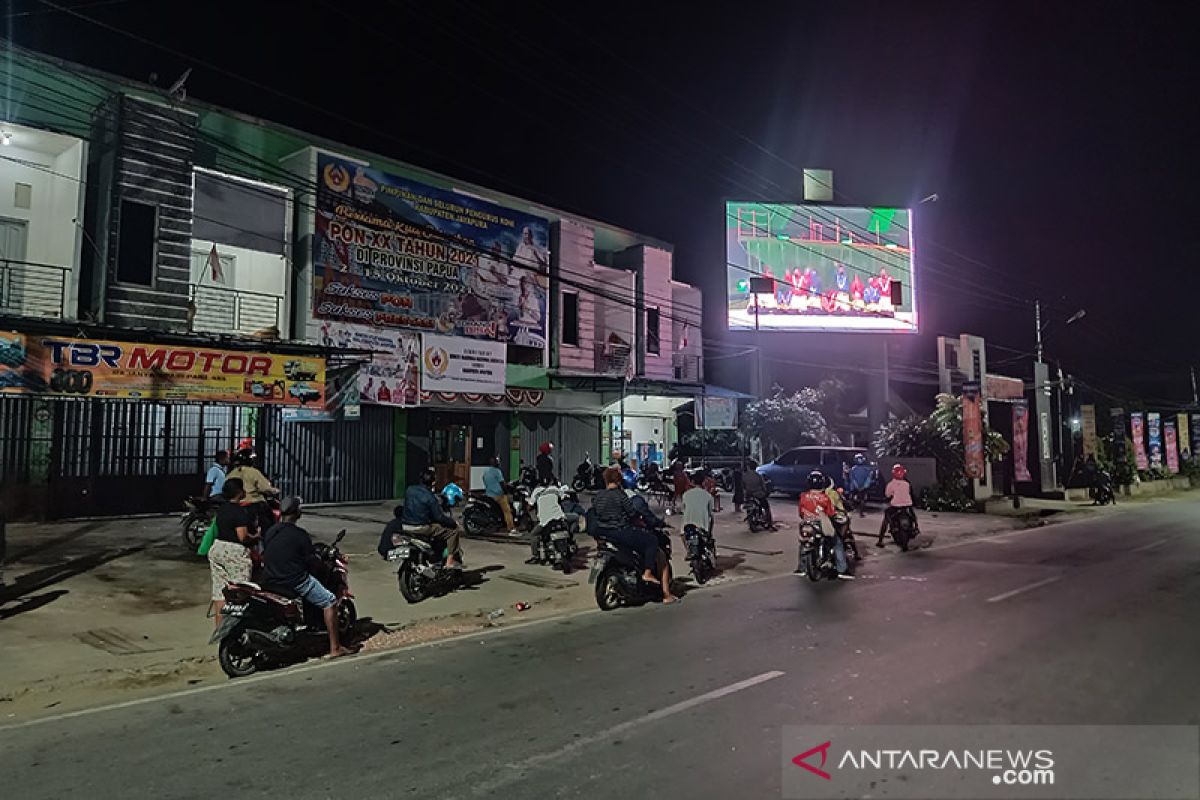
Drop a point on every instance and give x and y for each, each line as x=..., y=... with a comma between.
x=755, y=488
x=288, y=554
x=698, y=505
x=214, y=479
x=861, y=479
x=424, y=517
x=496, y=488
x=548, y=499
x=815, y=504
x=615, y=515
x=257, y=488
x=899, y=495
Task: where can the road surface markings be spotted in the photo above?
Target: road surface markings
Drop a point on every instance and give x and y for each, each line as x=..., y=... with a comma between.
x=1150, y=546
x=516, y=771
x=1022, y=589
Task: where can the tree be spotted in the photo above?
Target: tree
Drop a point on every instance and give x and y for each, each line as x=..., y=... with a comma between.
x=787, y=420
x=938, y=436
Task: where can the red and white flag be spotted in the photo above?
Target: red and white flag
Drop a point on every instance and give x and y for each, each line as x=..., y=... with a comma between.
x=214, y=264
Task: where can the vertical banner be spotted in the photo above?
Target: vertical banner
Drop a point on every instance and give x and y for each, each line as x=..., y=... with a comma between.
x=1154, y=439
x=1172, y=446
x=1195, y=428
x=1091, y=447
x=973, y=430
x=1020, y=447
x=1137, y=432
x=1119, y=454
x=1185, y=440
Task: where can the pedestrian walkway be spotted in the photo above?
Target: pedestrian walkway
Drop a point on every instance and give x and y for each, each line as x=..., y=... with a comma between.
x=103, y=610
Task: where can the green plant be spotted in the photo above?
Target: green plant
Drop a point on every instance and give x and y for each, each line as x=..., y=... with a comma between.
x=947, y=497
x=711, y=443
x=938, y=436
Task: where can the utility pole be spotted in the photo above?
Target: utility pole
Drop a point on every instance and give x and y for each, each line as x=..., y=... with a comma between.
x=1195, y=396
x=1037, y=323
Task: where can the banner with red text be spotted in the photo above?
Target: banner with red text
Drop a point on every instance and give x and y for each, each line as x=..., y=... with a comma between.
x=49, y=365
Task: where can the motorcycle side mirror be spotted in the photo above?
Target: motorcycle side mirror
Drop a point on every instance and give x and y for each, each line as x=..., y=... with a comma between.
x=341, y=535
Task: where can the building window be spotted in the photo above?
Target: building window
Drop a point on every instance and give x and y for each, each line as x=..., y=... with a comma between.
x=570, y=318
x=652, y=334
x=135, y=247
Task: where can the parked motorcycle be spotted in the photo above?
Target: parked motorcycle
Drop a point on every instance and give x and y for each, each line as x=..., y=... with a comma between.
x=617, y=574
x=701, y=552
x=588, y=476
x=528, y=477
x=262, y=624
x=482, y=514
x=195, y=521
x=724, y=478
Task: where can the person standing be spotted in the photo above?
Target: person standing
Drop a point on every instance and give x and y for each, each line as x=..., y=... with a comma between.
x=214, y=480
x=494, y=485
x=545, y=463
x=229, y=558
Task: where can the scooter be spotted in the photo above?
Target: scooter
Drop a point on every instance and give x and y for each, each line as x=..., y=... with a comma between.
x=261, y=624
x=588, y=476
x=817, y=551
x=195, y=521
x=482, y=514
x=701, y=552
x=422, y=571
x=902, y=524
x=554, y=544
x=617, y=574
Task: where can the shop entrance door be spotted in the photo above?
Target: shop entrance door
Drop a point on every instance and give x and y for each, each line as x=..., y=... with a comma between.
x=451, y=451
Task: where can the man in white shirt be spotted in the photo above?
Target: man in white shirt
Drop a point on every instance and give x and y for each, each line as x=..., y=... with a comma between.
x=548, y=501
x=698, y=505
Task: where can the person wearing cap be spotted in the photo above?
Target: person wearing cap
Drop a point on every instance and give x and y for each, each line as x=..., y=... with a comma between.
x=287, y=553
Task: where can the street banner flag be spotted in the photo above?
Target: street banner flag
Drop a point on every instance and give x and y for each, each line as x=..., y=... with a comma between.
x=1020, y=412
x=1137, y=431
x=1185, y=439
x=1172, y=446
x=1091, y=447
x=973, y=430
x=1154, y=438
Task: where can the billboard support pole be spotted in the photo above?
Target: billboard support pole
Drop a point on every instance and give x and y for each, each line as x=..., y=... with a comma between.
x=1195, y=396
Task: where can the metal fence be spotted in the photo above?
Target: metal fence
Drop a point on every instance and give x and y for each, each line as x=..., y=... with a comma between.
x=222, y=310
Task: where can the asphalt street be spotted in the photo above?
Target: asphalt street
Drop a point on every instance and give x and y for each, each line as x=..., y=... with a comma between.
x=1092, y=621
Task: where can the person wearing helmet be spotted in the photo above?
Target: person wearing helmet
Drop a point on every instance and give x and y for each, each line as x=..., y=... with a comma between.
x=899, y=495
x=545, y=463
x=815, y=504
x=861, y=479
x=755, y=488
x=257, y=487
x=424, y=517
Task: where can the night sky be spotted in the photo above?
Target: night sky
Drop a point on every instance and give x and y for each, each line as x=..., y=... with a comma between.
x=1057, y=139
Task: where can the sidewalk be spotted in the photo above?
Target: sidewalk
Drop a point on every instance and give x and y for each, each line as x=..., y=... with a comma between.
x=108, y=610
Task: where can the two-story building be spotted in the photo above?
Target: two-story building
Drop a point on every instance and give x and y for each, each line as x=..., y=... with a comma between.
x=175, y=277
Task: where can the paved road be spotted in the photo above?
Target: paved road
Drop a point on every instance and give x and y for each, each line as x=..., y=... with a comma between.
x=1090, y=622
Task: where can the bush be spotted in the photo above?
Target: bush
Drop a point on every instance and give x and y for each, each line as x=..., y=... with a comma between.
x=947, y=497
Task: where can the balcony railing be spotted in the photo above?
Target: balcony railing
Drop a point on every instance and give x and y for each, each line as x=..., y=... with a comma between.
x=33, y=290
x=222, y=310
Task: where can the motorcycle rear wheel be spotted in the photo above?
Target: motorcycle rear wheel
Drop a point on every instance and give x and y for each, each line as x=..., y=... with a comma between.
x=901, y=534
x=411, y=588
x=237, y=660
x=608, y=590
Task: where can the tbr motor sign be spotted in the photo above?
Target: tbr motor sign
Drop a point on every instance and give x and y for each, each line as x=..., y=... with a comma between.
x=91, y=368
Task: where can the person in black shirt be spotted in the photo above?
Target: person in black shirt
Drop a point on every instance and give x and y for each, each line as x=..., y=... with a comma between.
x=615, y=515
x=545, y=463
x=229, y=557
x=287, y=555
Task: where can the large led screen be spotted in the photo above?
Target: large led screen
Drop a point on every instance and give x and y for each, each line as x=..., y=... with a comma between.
x=831, y=268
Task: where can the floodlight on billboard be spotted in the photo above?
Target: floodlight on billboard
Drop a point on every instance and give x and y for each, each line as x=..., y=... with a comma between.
x=844, y=269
